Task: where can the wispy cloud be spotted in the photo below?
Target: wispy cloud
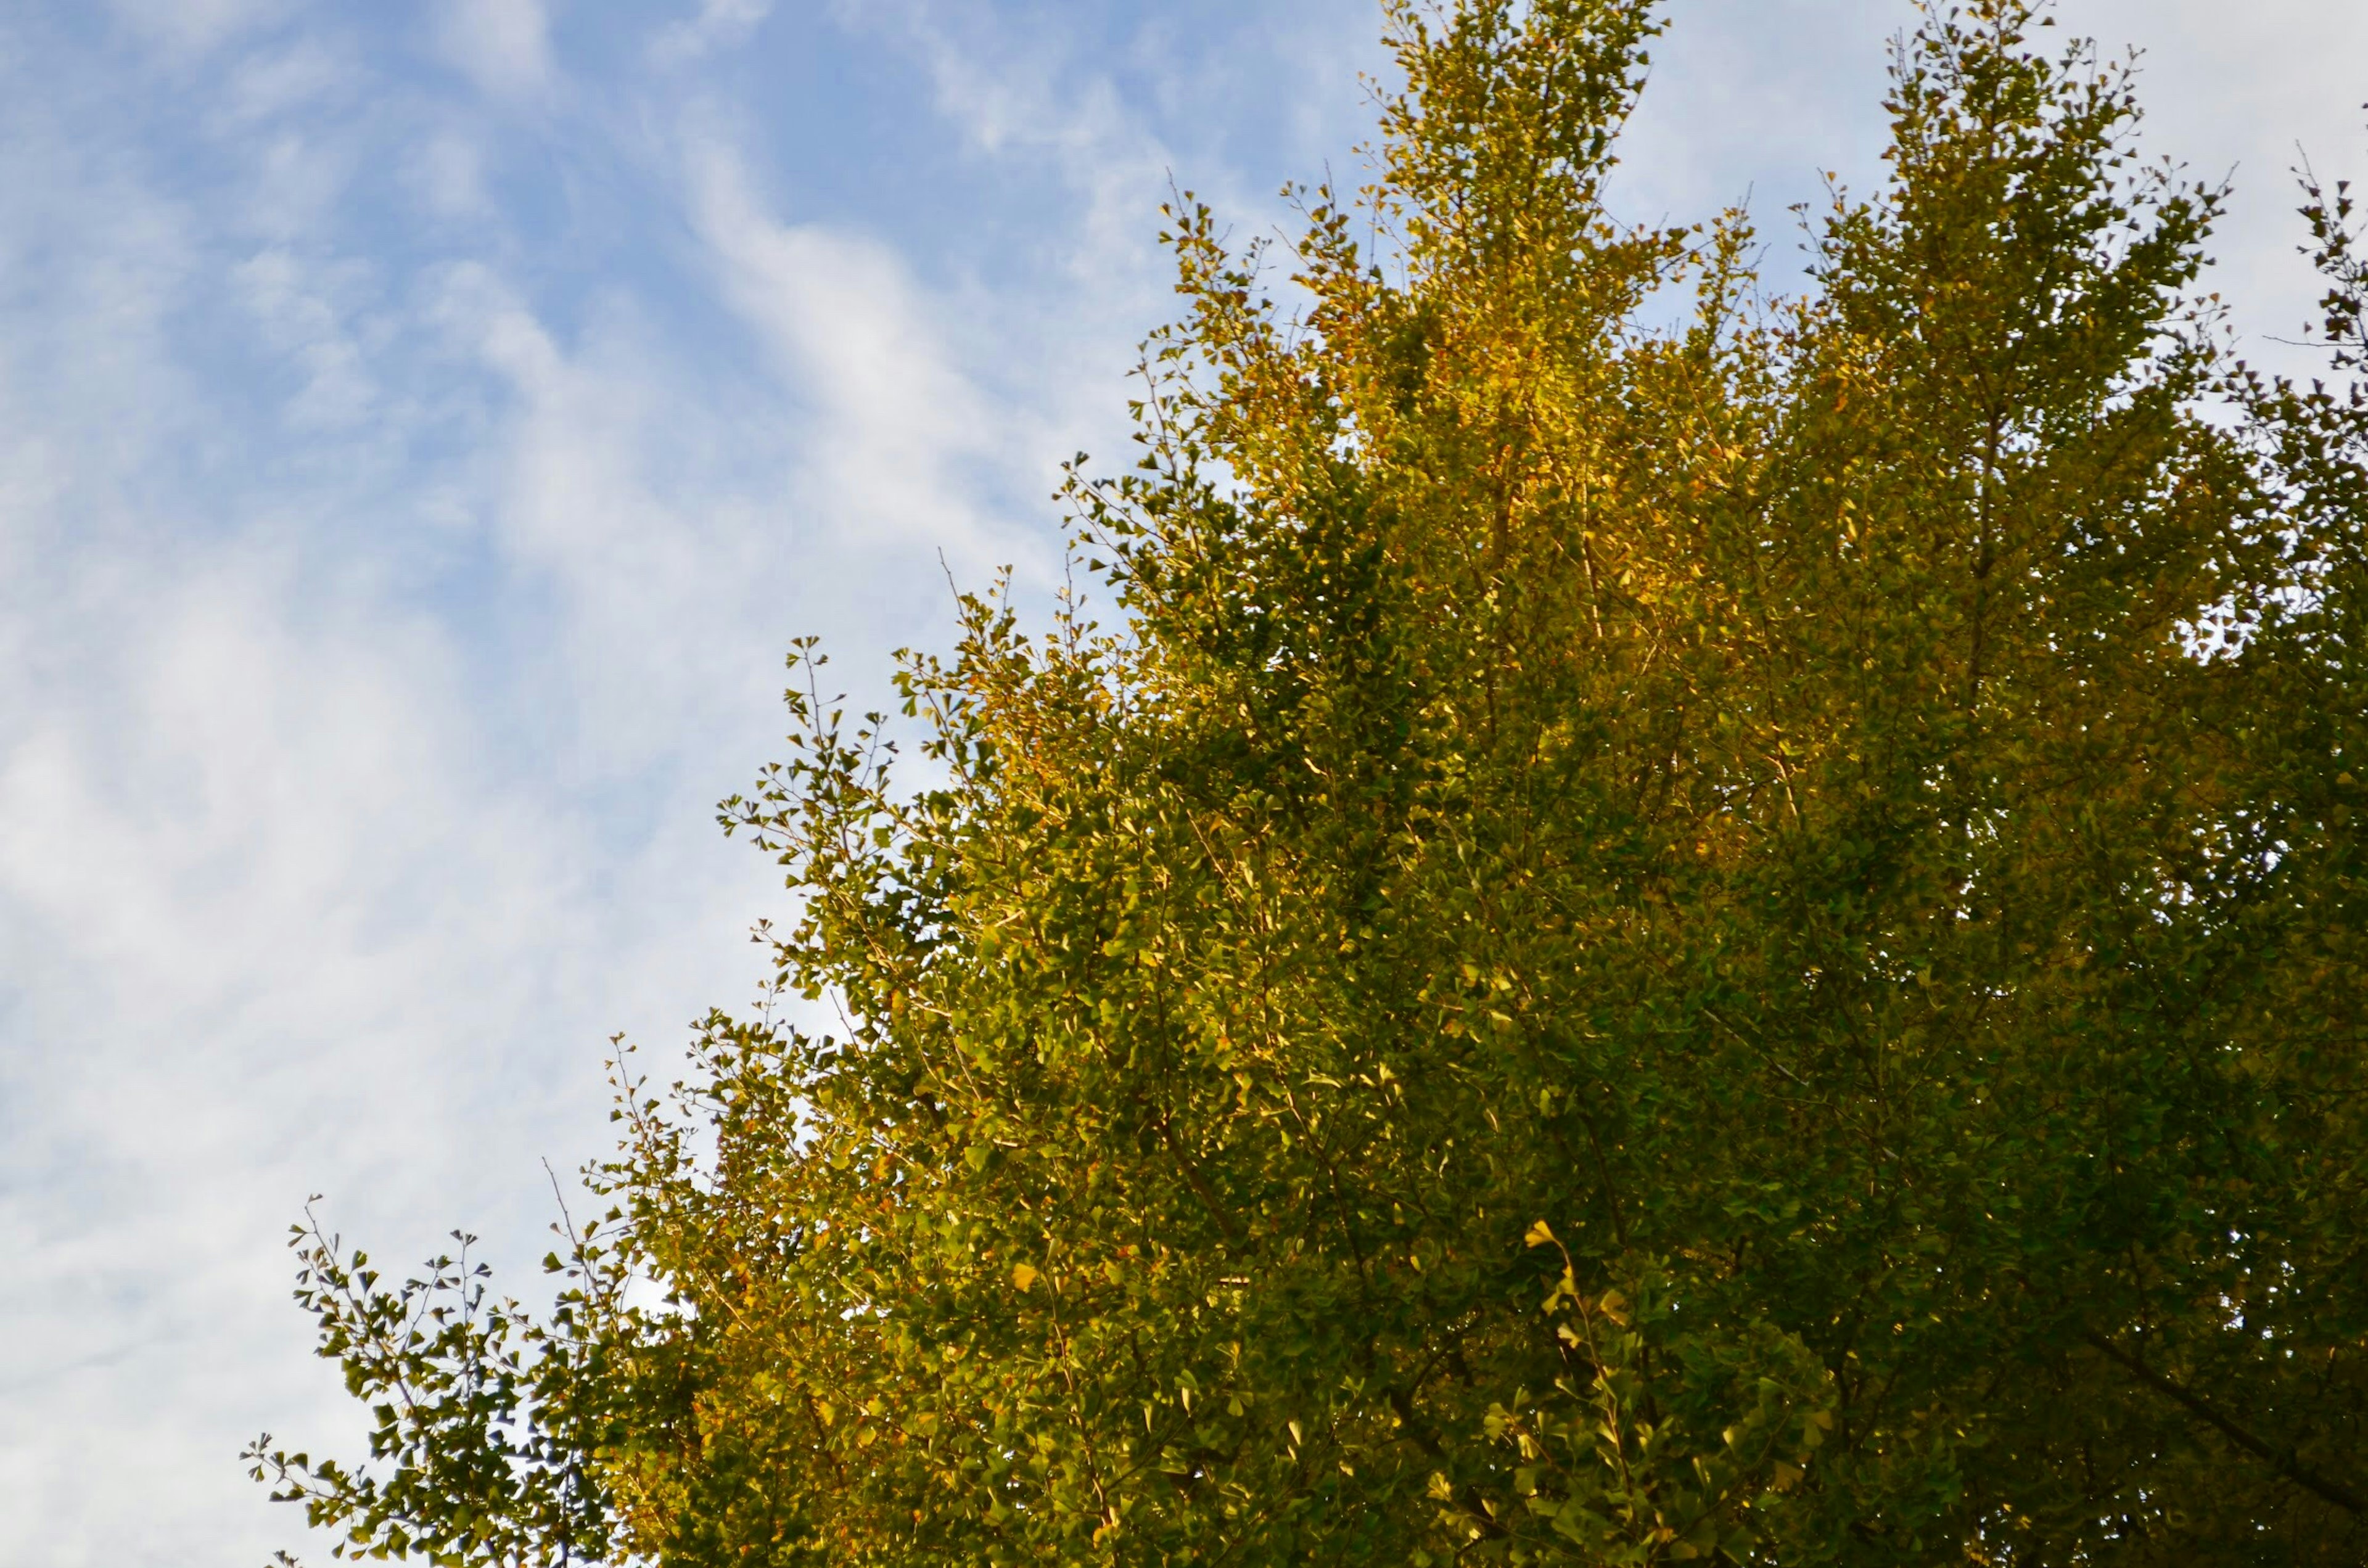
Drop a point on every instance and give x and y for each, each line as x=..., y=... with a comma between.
x=847, y=327
x=505, y=45
x=367, y=659
x=196, y=26
x=717, y=24
x=289, y=80
x=446, y=173
x=302, y=322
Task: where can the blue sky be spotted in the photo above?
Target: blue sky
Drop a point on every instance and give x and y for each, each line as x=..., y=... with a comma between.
x=423, y=426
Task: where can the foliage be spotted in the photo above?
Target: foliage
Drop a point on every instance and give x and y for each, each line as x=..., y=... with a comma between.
x=1739, y=942
x=444, y=1371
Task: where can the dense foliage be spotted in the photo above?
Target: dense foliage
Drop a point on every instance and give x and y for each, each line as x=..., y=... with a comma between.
x=1738, y=941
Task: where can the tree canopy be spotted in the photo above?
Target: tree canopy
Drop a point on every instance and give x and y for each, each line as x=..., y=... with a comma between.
x=1629, y=943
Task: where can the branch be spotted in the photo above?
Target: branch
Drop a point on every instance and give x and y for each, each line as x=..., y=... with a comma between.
x=2285, y=1464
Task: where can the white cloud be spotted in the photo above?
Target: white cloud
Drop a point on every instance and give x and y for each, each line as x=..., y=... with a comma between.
x=1029, y=102
x=503, y=45
x=300, y=886
x=447, y=172
x=1027, y=93
x=255, y=890
x=298, y=319
x=197, y=27
x=719, y=23
x=591, y=478
x=277, y=82
x=848, y=325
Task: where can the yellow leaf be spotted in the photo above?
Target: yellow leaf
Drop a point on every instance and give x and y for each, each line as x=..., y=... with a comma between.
x=1022, y=1275
x=1540, y=1235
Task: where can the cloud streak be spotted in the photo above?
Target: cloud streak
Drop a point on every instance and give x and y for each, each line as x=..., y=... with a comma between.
x=895, y=424
x=717, y=24
x=503, y=45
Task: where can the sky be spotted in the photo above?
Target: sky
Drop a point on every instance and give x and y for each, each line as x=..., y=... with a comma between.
x=422, y=428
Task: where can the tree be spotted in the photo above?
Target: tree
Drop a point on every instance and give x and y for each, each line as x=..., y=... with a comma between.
x=1731, y=942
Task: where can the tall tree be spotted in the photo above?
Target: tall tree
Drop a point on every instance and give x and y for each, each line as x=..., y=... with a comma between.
x=1739, y=941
